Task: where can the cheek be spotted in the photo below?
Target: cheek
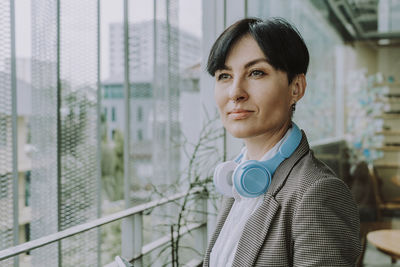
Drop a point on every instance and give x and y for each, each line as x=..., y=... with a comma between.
x=274, y=102
x=219, y=98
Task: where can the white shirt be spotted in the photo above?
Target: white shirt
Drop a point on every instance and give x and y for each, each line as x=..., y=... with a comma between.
x=225, y=247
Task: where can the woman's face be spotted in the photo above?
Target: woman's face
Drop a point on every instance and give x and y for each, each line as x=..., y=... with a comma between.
x=253, y=97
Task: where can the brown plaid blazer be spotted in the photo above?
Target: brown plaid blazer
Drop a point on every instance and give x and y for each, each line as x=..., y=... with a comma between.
x=308, y=218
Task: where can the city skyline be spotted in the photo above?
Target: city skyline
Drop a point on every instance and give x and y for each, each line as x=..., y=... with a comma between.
x=111, y=12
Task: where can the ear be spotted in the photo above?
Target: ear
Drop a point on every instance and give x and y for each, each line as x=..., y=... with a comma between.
x=298, y=87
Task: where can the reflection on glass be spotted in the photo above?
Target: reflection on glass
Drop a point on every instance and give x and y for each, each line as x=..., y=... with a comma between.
x=321, y=41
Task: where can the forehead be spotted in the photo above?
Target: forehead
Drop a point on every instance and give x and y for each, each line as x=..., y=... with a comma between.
x=246, y=49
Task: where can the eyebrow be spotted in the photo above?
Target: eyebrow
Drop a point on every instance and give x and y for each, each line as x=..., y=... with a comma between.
x=253, y=62
x=248, y=64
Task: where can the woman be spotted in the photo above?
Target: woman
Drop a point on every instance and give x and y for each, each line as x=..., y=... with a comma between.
x=283, y=206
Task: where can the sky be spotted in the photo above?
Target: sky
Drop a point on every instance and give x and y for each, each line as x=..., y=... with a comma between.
x=111, y=11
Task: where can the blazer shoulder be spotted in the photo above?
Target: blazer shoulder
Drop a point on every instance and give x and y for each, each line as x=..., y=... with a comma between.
x=310, y=170
x=307, y=172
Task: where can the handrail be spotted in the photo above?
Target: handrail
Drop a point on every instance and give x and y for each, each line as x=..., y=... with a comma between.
x=165, y=239
x=40, y=242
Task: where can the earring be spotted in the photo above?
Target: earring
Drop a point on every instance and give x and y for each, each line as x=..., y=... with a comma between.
x=293, y=106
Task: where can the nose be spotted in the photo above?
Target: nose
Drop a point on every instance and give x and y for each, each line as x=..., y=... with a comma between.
x=238, y=91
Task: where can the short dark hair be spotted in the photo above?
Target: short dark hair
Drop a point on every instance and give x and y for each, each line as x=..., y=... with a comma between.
x=280, y=42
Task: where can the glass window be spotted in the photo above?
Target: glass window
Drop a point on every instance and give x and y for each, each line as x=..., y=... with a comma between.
x=139, y=134
x=105, y=113
x=321, y=40
x=27, y=233
x=155, y=67
x=113, y=114
x=139, y=114
x=27, y=188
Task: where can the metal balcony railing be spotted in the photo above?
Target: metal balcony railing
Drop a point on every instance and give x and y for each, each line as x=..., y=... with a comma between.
x=134, y=211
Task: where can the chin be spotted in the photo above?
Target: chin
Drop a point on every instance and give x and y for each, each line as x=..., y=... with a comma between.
x=239, y=133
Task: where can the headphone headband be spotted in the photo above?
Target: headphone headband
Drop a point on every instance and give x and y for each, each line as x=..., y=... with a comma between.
x=286, y=149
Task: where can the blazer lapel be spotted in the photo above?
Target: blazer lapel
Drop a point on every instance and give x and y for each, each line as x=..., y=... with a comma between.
x=255, y=231
x=225, y=208
x=256, y=228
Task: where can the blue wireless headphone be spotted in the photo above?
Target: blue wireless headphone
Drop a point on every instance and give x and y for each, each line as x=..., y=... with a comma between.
x=252, y=177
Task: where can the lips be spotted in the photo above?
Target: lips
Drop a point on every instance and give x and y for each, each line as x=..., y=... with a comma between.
x=239, y=114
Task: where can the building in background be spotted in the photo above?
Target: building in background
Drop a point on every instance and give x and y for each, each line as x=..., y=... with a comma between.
x=141, y=67
x=142, y=42
x=24, y=164
x=141, y=109
x=144, y=98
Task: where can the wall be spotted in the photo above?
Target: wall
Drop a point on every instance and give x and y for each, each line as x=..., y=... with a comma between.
x=388, y=59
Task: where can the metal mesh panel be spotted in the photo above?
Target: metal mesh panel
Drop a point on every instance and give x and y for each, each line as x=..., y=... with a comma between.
x=166, y=128
x=74, y=155
x=6, y=153
x=78, y=74
x=166, y=94
x=173, y=88
x=44, y=129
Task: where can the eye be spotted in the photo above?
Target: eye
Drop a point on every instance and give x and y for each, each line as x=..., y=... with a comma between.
x=223, y=76
x=257, y=73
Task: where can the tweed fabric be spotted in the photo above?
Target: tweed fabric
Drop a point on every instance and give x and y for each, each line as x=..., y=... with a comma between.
x=308, y=218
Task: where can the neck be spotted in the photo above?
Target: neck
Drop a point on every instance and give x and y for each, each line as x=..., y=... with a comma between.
x=258, y=145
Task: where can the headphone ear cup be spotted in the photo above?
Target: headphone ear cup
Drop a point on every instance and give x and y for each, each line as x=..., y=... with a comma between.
x=251, y=179
x=223, y=177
